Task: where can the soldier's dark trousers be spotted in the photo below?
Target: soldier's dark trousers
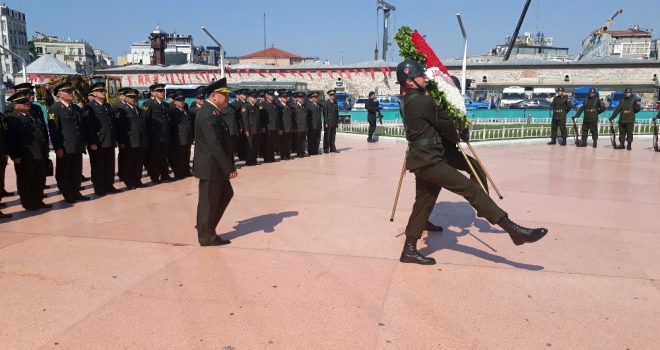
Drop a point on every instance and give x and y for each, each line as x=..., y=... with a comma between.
x=329, y=139
x=181, y=161
x=120, y=164
x=587, y=127
x=3, y=168
x=314, y=141
x=133, y=159
x=372, y=127
x=561, y=124
x=158, y=167
x=29, y=181
x=455, y=160
x=241, y=146
x=626, y=132
x=285, y=145
x=232, y=152
x=300, y=146
x=68, y=173
x=252, y=151
x=294, y=142
x=214, y=197
x=272, y=145
x=430, y=180
x=102, y=162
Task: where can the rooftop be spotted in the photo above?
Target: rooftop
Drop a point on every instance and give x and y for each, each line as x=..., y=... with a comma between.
x=272, y=52
x=47, y=64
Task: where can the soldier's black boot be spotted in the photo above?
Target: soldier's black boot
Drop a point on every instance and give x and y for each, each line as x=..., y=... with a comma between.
x=595, y=144
x=553, y=141
x=411, y=255
x=629, y=146
x=563, y=141
x=521, y=235
x=620, y=146
x=583, y=143
x=431, y=227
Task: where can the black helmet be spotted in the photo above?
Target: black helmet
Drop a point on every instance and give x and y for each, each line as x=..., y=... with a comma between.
x=592, y=90
x=627, y=90
x=560, y=89
x=408, y=69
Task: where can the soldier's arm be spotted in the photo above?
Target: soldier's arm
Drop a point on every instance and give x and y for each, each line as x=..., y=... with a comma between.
x=579, y=112
x=212, y=131
x=601, y=107
x=638, y=106
x=616, y=111
x=13, y=140
x=569, y=106
x=56, y=137
x=438, y=118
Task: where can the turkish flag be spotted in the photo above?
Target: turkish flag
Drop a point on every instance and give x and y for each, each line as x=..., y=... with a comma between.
x=247, y=71
x=330, y=73
x=33, y=77
x=259, y=72
x=348, y=74
x=382, y=69
x=147, y=79
x=239, y=72
x=268, y=72
x=389, y=70
x=280, y=73
x=41, y=78
x=155, y=78
x=309, y=72
x=339, y=72
x=190, y=80
x=372, y=74
x=140, y=79
x=130, y=80
x=208, y=78
x=228, y=70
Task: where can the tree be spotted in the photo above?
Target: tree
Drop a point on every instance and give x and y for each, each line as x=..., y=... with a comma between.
x=33, y=50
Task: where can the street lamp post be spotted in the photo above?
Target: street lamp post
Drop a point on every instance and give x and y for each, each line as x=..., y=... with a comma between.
x=22, y=61
x=460, y=23
x=222, y=55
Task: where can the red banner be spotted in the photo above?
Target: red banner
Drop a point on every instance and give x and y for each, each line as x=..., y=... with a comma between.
x=155, y=78
x=147, y=79
x=259, y=72
x=280, y=73
x=364, y=71
x=348, y=74
x=340, y=74
x=309, y=72
x=268, y=72
x=318, y=72
x=141, y=79
x=389, y=70
x=228, y=71
x=130, y=80
x=208, y=77
x=330, y=74
x=298, y=72
x=32, y=78
x=382, y=69
x=247, y=71
x=239, y=72
x=373, y=77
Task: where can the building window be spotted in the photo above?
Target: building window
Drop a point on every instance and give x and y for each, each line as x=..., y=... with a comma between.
x=635, y=49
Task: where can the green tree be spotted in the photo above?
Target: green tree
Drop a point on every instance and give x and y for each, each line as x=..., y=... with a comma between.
x=33, y=50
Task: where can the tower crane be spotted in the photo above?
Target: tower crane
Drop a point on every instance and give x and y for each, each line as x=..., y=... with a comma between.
x=387, y=8
x=596, y=35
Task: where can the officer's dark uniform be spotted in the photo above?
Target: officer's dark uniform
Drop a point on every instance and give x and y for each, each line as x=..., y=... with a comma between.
x=241, y=139
x=158, y=125
x=100, y=131
x=591, y=107
x=27, y=139
x=133, y=139
x=315, y=122
x=560, y=106
x=271, y=125
x=301, y=125
x=285, y=125
x=181, y=139
x=120, y=156
x=373, y=110
x=627, y=108
x=3, y=153
x=294, y=135
x=67, y=133
x=228, y=115
x=330, y=121
x=252, y=123
x=212, y=167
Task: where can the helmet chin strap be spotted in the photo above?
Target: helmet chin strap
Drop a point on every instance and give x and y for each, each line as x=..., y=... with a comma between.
x=419, y=87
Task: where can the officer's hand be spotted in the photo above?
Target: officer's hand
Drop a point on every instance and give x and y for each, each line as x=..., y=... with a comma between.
x=122, y=145
x=295, y=131
x=233, y=175
x=17, y=160
x=280, y=132
x=93, y=147
x=326, y=126
x=263, y=130
x=59, y=153
x=247, y=133
x=465, y=135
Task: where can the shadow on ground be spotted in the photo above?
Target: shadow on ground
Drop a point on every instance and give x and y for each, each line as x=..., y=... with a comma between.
x=264, y=223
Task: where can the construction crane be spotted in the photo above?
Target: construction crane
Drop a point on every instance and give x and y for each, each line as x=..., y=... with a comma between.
x=517, y=30
x=387, y=8
x=596, y=35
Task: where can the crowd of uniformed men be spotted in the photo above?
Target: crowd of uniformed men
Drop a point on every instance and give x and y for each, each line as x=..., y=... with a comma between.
x=157, y=136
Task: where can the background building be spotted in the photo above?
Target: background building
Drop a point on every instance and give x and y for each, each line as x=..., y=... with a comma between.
x=635, y=42
x=77, y=54
x=103, y=59
x=180, y=49
x=14, y=37
x=272, y=56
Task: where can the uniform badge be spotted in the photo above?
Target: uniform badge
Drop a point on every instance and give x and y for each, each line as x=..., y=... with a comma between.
x=51, y=116
x=4, y=126
x=261, y=107
x=86, y=113
x=243, y=110
x=117, y=114
x=145, y=108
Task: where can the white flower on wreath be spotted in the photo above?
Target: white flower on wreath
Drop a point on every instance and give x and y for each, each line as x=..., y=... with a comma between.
x=446, y=85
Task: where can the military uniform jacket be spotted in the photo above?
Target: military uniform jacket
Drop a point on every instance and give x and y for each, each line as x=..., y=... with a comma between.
x=270, y=115
x=314, y=113
x=193, y=114
x=331, y=113
x=131, y=126
x=300, y=117
x=99, y=124
x=3, y=136
x=158, y=120
x=228, y=115
x=591, y=107
x=26, y=137
x=181, y=127
x=212, y=161
x=284, y=117
x=627, y=107
x=560, y=107
x=238, y=105
x=424, y=119
x=66, y=127
x=251, y=114
x=38, y=113
x=373, y=108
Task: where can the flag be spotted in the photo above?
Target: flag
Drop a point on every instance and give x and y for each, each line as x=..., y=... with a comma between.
x=259, y=72
x=339, y=72
x=348, y=74
x=309, y=72
x=140, y=79
x=228, y=70
x=130, y=80
x=147, y=80
x=280, y=73
x=318, y=72
x=247, y=71
x=330, y=73
x=373, y=77
x=239, y=72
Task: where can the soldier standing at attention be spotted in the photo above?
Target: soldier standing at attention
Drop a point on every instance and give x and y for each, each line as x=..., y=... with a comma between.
x=270, y=117
x=4, y=156
x=67, y=134
x=285, y=124
x=213, y=166
x=120, y=162
x=241, y=139
x=37, y=112
x=181, y=137
x=315, y=122
x=27, y=145
x=199, y=101
x=374, y=110
x=155, y=112
x=100, y=132
x=591, y=107
x=300, y=126
x=228, y=115
x=330, y=122
x=425, y=122
x=252, y=124
x=133, y=136
x=627, y=107
x=560, y=107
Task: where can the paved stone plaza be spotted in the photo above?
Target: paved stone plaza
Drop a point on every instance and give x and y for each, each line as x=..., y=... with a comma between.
x=313, y=262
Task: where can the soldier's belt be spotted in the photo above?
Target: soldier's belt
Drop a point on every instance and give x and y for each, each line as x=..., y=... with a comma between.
x=628, y=111
x=559, y=111
x=592, y=110
x=425, y=142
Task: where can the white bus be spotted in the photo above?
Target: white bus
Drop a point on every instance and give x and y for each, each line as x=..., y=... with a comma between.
x=544, y=93
x=512, y=94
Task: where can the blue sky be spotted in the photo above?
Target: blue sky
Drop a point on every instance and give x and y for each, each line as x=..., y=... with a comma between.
x=326, y=29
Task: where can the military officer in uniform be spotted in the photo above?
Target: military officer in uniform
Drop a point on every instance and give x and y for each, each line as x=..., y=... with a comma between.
x=300, y=124
x=591, y=107
x=4, y=155
x=271, y=125
x=67, y=134
x=100, y=132
x=627, y=107
x=199, y=101
x=121, y=102
x=181, y=137
x=133, y=139
x=373, y=108
x=37, y=112
x=27, y=144
x=252, y=124
x=315, y=122
x=285, y=124
x=241, y=139
x=228, y=115
x=330, y=122
x=156, y=113
x=425, y=122
x=560, y=107
x=213, y=166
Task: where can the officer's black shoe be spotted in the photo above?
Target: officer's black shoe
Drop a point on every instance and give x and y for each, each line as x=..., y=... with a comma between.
x=521, y=235
x=583, y=143
x=85, y=178
x=43, y=205
x=100, y=193
x=552, y=142
x=431, y=227
x=82, y=198
x=325, y=151
x=563, y=142
x=70, y=200
x=3, y=205
x=629, y=146
x=217, y=241
x=370, y=140
x=112, y=190
x=336, y=151
x=5, y=216
x=166, y=178
x=6, y=194
x=81, y=188
x=46, y=187
x=595, y=144
x=620, y=146
x=411, y=255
